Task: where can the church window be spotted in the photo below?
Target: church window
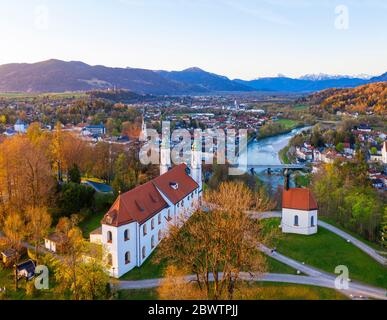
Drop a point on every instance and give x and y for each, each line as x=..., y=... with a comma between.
x=296, y=221
x=109, y=237
x=127, y=258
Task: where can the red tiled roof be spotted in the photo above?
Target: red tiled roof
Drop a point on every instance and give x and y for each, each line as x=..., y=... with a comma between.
x=177, y=175
x=145, y=201
x=138, y=204
x=299, y=198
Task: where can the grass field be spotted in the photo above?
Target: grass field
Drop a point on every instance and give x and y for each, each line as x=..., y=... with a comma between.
x=256, y=291
x=7, y=281
x=153, y=270
x=91, y=223
x=287, y=123
x=371, y=244
x=301, y=107
x=51, y=95
x=325, y=251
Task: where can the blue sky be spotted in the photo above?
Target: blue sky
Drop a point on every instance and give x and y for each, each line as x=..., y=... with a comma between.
x=237, y=38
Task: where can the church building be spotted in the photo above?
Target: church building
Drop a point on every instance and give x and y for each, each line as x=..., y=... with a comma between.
x=134, y=225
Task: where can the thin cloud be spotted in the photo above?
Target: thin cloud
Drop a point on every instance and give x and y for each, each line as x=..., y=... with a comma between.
x=262, y=13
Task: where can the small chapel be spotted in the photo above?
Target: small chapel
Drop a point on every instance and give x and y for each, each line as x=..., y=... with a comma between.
x=299, y=210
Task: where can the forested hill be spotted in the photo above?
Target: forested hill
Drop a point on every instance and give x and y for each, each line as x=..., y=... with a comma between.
x=367, y=98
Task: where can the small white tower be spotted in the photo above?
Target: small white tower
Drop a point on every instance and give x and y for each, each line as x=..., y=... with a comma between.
x=144, y=133
x=165, y=156
x=196, y=163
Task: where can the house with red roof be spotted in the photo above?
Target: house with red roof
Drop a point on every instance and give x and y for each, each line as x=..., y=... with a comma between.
x=136, y=222
x=299, y=211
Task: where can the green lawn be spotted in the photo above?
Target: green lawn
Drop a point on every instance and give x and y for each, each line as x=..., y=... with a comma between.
x=138, y=294
x=371, y=244
x=153, y=270
x=287, y=123
x=7, y=281
x=275, y=266
x=301, y=107
x=254, y=291
x=149, y=270
x=91, y=223
x=325, y=251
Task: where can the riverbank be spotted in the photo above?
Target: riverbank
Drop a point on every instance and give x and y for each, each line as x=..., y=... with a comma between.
x=278, y=128
x=283, y=155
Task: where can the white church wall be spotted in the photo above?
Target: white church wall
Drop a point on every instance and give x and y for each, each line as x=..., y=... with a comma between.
x=304, y=221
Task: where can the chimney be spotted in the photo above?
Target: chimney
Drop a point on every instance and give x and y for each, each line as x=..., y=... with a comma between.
x=287, y=178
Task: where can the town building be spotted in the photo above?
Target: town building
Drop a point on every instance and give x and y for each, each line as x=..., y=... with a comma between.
x=384, y=153
x=94, y=130
x=20, y=126
x=138, y=219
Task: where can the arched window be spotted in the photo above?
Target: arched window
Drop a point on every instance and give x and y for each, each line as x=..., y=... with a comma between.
x=143, y=252
x=159, y=235
x=153, y=242
x=126, y=235
x=144, y=231
x=152, y=224
x=127, y=257
x=109, y=259
x=296, y=221
x=159, y=218
x=109, y=237
x=312, y=221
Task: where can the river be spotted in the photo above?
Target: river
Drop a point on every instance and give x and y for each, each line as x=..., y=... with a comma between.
x=265, y=152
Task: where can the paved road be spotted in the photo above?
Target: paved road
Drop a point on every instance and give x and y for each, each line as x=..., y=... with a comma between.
x=357, y=243
x=314, y=276
x=355, y=290
x=361, y=245
x=326, y=279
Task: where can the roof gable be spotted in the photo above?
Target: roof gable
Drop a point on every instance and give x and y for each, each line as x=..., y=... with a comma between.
x=299, y=199
x=138, y=204
x=176, y=184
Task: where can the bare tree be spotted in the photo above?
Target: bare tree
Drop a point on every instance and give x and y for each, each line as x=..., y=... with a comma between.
x=218, y=245
x=38, y=225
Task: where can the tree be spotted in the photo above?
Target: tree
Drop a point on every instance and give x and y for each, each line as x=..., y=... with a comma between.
x=374, y=150
x=124, y=177
x=74, y=197
x=383, y=237
x=93, y=279
x=222, y=242
x=57, y=149
x=14, y=230
x=175, y=286
x=25, y=173
x=66, y=269
x=340, y=147
x=81, y=269
x=75, y=174
x=38, y=225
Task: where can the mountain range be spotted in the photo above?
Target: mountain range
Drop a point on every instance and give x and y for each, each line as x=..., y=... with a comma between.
x=59, y=76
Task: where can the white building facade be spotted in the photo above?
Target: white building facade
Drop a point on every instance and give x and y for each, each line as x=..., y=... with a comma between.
x=384, y=153
x=138, y=219
x=299, y=212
